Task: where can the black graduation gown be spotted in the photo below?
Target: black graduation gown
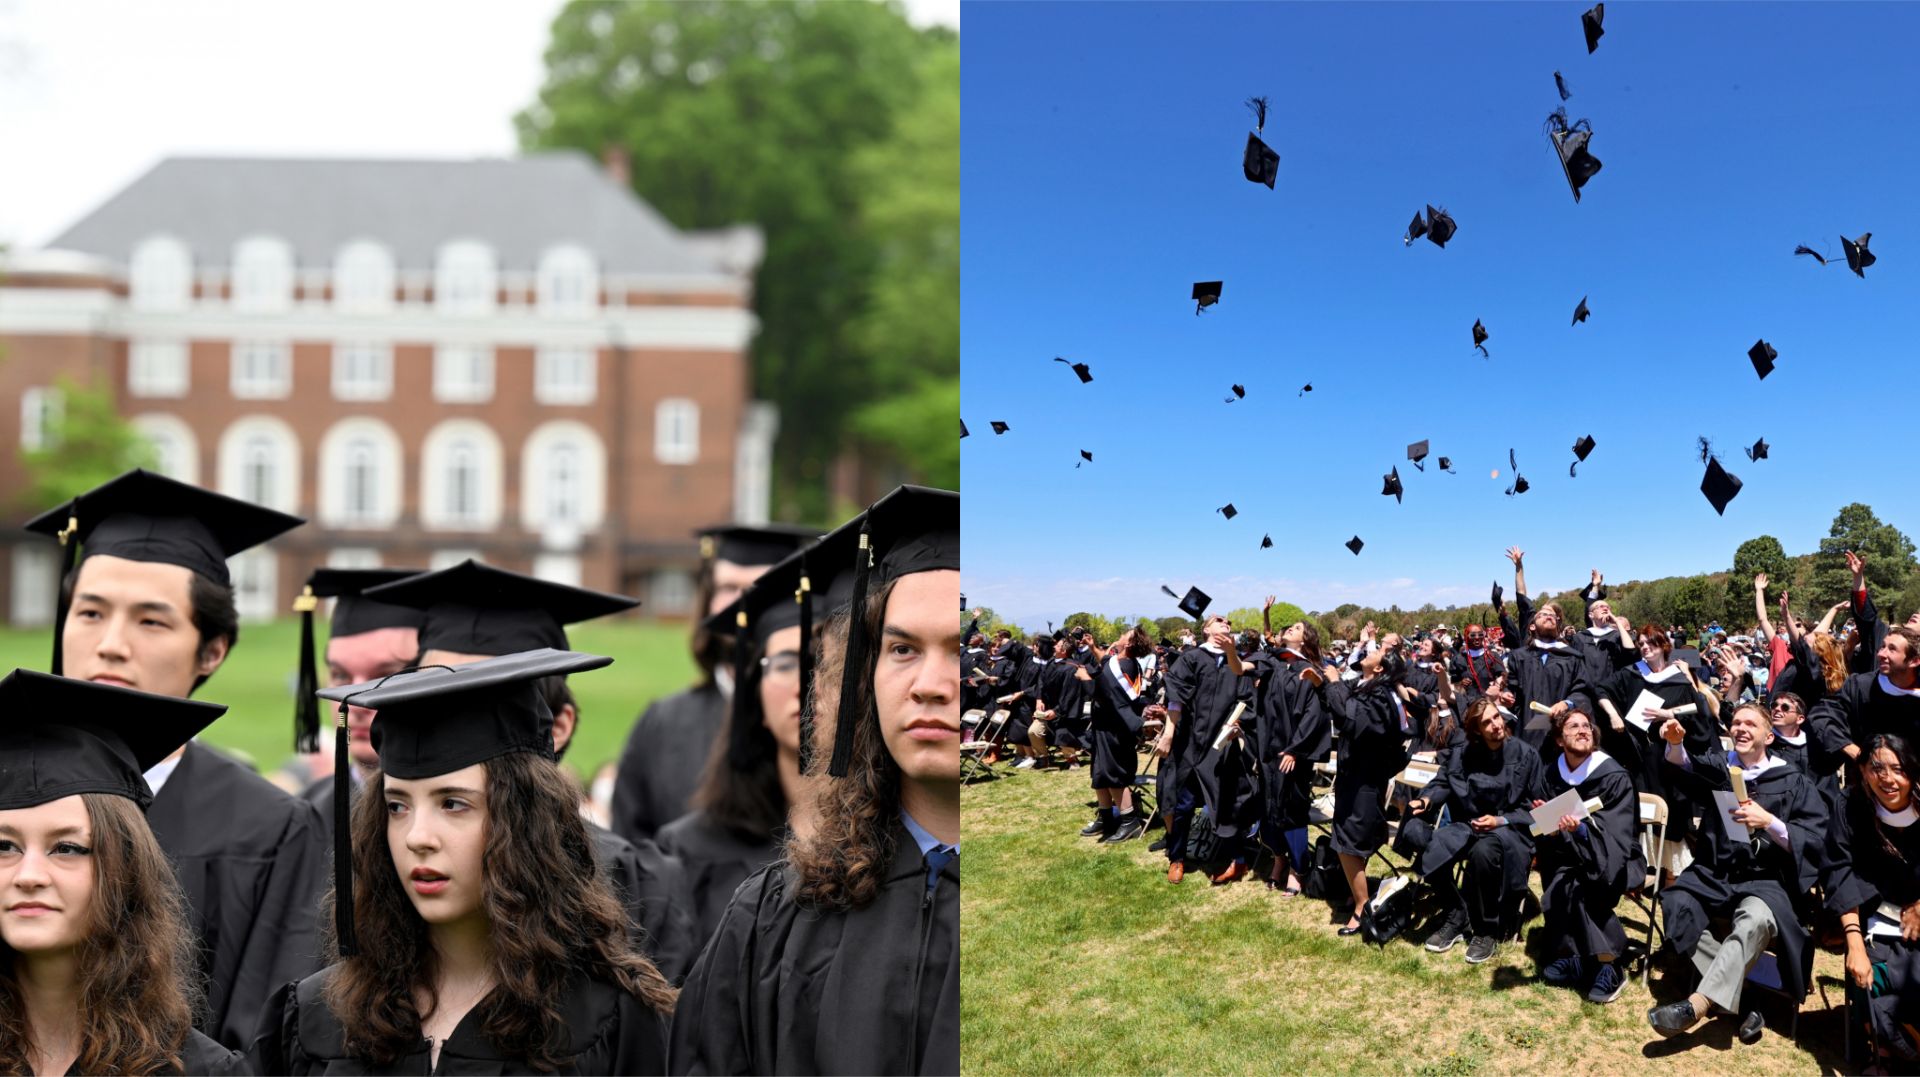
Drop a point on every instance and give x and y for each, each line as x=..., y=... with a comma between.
x=1861, y=708
x=252, y=862
x=1292, y=721
x=650, y=883
x=1561, y=676
x=1873, y=632
x=1481, y=782
x=1640, y=753
x=1723, y=872
x=1066, y=696
x=1583, y=874
x=1115, y=731
x=1471, y=675
x=1027, y=674
x=1207, y=689
x=1007, y=676
x=1603, y=654
x=716, y=859
x=1373, y=748
x=199, y=1055
x=1870, y=874
x=781, y=989
x=608, y=1031
x=975, y=694
x=665, y=756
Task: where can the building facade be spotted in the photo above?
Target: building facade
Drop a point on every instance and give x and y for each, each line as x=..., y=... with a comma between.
x=513, y=360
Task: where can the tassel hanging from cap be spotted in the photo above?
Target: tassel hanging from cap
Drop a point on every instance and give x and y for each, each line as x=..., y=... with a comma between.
x=70, y=546
x=342, y=837
x=852, y=700
x=742, y=725
x=804, y=596
x=306, y=705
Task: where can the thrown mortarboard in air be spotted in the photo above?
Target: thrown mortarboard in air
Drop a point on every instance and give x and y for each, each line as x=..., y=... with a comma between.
x=1480, y=335
x=1206, y=293
x=1194, y=605
x=473, y=608
x=1266, y=541
x=1520, y=485
x=1415, y=230
x=1239, y=393
x=759, y=544
x=1580, y=450
x=1580, y=312
x=1305, y=389
x=999, y=427
x=963, y=428
x=1858, y=257
x=353, y=614
x=1390, y=484
x=1080, y=370
x=1720, y=486
x=1354, y=544
x=142, y=516
x=64, y=736
x=1590, y=25
x=1260, y=164
x=1228, y=510
x=1759, y=450
x=1086, y=456
x=1570, y=142
x=1560, y=83
x=438, y=720
x=1446, y=465
x=1417, y=452
x=1438, y=227
x=1763, y=355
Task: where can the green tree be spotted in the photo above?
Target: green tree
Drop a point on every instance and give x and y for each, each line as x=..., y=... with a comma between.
x=87, y=443
x=1693, y=602
x=1888, y=553
x=1170, y=628
x=774, y=114
x=1103, y=628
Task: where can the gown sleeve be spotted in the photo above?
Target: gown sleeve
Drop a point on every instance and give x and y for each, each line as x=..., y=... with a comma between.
x=712, y=1030
x=282, y=940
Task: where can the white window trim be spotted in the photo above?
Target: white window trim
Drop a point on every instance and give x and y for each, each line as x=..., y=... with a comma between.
x=551, y=361
x=534, y=492
x=156, y=425
x=378, y=387
x=371, y=261
x=160, y=260
x=232, y=462
x=667, y=448
x=449, y=390
x=158, y=368
x=433, y=476
x=40, y=408
x=278, y=385
x=263, y=275
x=390, y=464
x=460, y=259
x=557, y=264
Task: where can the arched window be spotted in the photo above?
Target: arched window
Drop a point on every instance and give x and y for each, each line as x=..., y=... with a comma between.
x=262, y=275
x=161, y=275
x=569, y=283
x=676, y=431
x=360, y=474
x=461, y=476
x=363, y=278
x=260, y=463
x=259, y=472
x=465, y=281
x=176, y=453
x=462, y=503
x=563, y=483
x=562, y=480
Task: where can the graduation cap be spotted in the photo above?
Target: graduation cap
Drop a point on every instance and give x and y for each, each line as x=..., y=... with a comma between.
x=1260, y=164
x=1858, y=257
x=1580, y=450
x=1560, y=84
x=1390, y=484
x=473, y=608
x=1266, y=541
x=141, y=516
x=1205, y=294
x=1239, y=393
x=63, y=736
x=439, y=719
x=1759, y=450
x=771, y=603
x=1590, y=25
x=1228, y=510
x=1520, y=485
x=1580, y=312
x=1438, y=227
x=1305, y=389
x=1570, y=142
x=1446, y=465
x=1080, y=370
x=1415, y=230
x=963, y=428
x=1720, y=486
x=1417, y=452
x=1480, y=337
x=760, y=544
x=1763, y=355
x=1194, y=605
x=353, y=614
x=1354, y=544
x=1086, y=456
x=999, y=427
x=1499, y=594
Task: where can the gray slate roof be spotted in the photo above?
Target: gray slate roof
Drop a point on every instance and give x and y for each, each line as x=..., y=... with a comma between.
x=519, y=206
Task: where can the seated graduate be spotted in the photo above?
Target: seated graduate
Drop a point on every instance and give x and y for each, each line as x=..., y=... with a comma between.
x=1374, y=725
x=1876, y=890
x=1757, y=882
x=1294, y=733
x=1586, y=864
x=1661, y=688
x=1789, y=714
x=846, y=958
x=1063, y=695
x=1119, y=712
x=474, y=929
x=1492, y=784
x=1886, y=701
x=97, y=969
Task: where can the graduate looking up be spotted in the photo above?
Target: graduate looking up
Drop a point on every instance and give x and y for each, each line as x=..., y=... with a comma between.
x=1547, y=671
x=149, y=605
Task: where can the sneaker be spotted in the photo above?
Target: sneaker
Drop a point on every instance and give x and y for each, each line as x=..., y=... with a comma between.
x=1607, y=985
x=1130, y=827
x=1565, y=972
x=1481, y=948
x=1451, y=930
x=1099, y=825
x=1159, y=846
x=1024, y=764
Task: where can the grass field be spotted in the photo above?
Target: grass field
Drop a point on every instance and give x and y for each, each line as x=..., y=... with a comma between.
x=1080, y=958
x=256, y=683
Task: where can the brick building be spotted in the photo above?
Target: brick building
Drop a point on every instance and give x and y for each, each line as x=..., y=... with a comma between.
x=515, y=360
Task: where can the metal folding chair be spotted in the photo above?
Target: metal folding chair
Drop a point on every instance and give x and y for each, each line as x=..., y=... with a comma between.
x=973, y=754
x=1653, y=844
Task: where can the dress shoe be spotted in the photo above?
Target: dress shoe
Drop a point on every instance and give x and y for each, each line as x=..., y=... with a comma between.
x=1130, y=827
x=1235, y=870
x=1098, y=826
x=1673, y=1019
x=1751, y=1026
x=1176, y=871
x=1157, y=846
x=1348, y=931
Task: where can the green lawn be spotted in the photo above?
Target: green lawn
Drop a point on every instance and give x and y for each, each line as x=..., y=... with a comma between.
x=1080, y=958
x=650, y=660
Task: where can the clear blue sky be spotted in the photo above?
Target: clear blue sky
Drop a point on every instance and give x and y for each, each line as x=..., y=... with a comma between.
x=1101, y=179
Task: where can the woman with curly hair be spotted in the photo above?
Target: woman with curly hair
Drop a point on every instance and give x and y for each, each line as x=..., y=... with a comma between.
x=846, y=959
x=481, y=937
x=97, y=969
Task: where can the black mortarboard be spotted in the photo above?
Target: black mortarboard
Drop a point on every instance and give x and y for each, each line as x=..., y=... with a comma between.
x=1260, y=163
x=1763, y=355
x=1305, y=389
x=437, y=720
x=1239, y=393
x=1266, y=541
x=1580, y=450
x=64, y=736
x=1195, y=604
x=352, y=615
x=1446, y=465
x=1759, y=450
x=770, y=604
x=1206, y=293
x=1355, y=545
x=1085, y=455
x=761, y=544
x=141, y=516
x=1858, y=257
x=999, y=427
x=1560, y=83
x=963, y=428
x=1390, y=484
x=1720, y=486
x=1520, y=485
x=1415, y=230
x=1228, y=510
x=1570, y=142
x=1080, y=370
x=1440, y=226
x=1590, y=25
x=478, y=609
x=1417, y=452
x=1580, y=312
x=1480, y=335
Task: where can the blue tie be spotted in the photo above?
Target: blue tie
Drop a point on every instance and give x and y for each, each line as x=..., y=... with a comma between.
x=937, y=858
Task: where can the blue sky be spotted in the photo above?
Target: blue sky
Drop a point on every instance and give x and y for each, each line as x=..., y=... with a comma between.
x=1101, y=179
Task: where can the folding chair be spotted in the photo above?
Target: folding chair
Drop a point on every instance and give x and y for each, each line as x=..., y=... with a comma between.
x=973, y=754
x=1653, y=844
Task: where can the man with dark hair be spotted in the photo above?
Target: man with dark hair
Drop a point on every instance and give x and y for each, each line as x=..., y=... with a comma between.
x=150, y=606
x=1202, y=687
x=1886, y=701
x=1547, y=671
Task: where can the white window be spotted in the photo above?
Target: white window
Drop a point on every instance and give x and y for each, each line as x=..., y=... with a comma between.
x=563, y=476
x=676, y=431
x=262, y=275
x=564, y=375
x=569, y=284
x=260, y=462
x=463, y=373
x=562, y=568
x=363, y=278
x=360, y=462
x=176, y=452
x=36, y=583
x=465, y=281
x=256, y=580
x=157, y=368
x=449, y=558
x=259, y=470
x=671, y=591
x=161, y=273
x=40, y=410
x=262, y=369
x=355, y=557
x=461, y=477
x=362, y=371
x=564, y=491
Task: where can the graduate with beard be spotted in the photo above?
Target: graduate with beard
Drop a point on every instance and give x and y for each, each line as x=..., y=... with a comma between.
x=1202, y=687
x=1662, y=689
x=1606, y=644
x=1294, y=734
x=1587, y=862
x=1876, y=891
x=1547, y=671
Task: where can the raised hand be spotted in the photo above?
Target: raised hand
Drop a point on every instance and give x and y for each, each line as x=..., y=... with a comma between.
x=1759, y=581
x=1516, y=555
x=1856, y=564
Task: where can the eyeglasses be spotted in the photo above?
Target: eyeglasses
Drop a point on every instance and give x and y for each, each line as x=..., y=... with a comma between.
x=782, y=664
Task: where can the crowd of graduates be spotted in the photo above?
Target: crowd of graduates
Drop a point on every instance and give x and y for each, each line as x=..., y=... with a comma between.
x=778, y=893
x=1784, y=758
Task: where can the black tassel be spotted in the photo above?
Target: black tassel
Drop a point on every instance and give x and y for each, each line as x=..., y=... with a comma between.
x=739, y=739
x=804, y=596
x=306, y=705
x=852, y=697
x=342, y=837
x=70, y=543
